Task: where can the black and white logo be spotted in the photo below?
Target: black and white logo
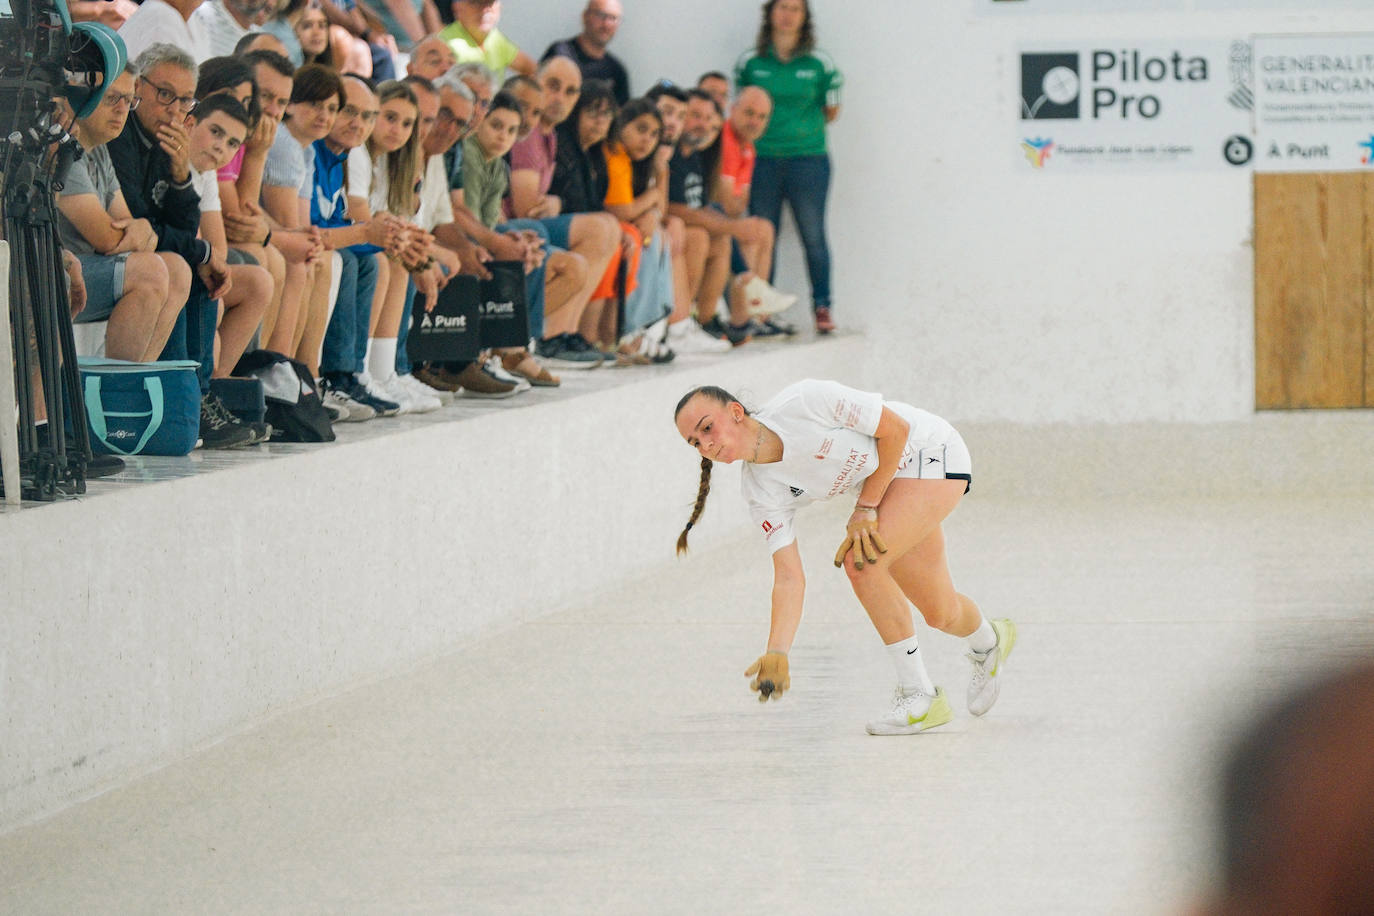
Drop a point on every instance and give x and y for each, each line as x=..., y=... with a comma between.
x=1238, y=150
x=1050, y=86
x=796, y=493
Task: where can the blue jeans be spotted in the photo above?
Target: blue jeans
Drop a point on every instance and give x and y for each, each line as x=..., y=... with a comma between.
x=653, y=294
x=345, y=339
x=534, y=280
x=407, y=313
x=193, y=335
x=804, y=183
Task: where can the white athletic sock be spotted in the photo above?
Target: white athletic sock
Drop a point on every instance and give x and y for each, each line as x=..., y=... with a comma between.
x=381, y=357
x=911, y=670
x=983, y=639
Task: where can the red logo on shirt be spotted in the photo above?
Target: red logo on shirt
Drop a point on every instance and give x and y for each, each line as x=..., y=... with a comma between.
x=769, y=528
x=824, y=449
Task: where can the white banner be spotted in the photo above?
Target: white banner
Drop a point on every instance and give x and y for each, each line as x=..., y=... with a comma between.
x=1143, y=105
x=1314, y=103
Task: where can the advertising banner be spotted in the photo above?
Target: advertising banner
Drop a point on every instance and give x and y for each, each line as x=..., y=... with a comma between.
x=1314, y=103
x=1136, y=105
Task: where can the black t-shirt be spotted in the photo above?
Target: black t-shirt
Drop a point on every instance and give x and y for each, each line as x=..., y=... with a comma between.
x=573, y=180
x=687, y=180
x=594, y=68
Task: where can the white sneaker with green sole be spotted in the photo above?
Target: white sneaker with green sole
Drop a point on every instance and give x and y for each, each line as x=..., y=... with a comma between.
x=985, y=686
x=913, y=713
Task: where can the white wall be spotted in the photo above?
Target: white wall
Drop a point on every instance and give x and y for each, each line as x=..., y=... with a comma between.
x=998, y=293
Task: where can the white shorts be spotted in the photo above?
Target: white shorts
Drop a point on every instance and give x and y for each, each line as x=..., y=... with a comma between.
x=934, y=450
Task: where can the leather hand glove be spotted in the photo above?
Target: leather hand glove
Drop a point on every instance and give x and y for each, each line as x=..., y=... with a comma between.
x=861, y=535
x=770, y=675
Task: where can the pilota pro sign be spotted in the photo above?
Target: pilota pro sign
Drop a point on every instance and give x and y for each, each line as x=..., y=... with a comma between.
x=1148, y=103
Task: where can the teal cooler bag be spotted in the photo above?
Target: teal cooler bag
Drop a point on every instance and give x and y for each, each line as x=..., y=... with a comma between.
x=141, y=408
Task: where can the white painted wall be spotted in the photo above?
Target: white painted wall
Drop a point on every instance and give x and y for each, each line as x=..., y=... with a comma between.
x=989, y=291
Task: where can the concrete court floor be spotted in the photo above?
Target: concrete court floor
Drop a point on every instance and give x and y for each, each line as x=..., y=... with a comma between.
x=609, y=759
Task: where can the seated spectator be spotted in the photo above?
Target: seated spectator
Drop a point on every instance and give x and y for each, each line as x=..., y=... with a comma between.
x=217, y=25
x=473, y=35
x=159, y=20
x=139, y=291
x=589, y=51
x=359, y=241
x=317, y=95
x=430, y=59
x=247, y=227
x=717, y=86
x=687, y=198
x=593, y=237
x=313, y=34
x=152, y=159
x=383, y=180
x=217, y=127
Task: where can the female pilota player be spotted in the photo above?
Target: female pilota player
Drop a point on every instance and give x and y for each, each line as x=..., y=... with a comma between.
x=821, y=439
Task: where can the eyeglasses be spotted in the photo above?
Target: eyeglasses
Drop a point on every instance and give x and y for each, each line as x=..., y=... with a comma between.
x=166, y=95
x=353, y=111
x=446, y=117
x=116, y=99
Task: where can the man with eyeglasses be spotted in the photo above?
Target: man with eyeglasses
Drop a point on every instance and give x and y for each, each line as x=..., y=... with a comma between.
x=137, y=290
x=589, y=51
x=430, y=59
x=152, y=158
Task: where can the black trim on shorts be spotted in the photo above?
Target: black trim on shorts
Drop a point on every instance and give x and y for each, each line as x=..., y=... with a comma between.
x=967, y=478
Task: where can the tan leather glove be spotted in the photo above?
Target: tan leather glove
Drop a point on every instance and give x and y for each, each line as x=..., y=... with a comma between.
x=770, y=675
x=861, y=536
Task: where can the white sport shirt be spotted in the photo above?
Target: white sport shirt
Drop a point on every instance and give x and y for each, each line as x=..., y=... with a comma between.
x=827, y=449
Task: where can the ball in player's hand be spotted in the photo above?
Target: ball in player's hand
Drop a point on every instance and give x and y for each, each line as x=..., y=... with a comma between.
x=765, y=688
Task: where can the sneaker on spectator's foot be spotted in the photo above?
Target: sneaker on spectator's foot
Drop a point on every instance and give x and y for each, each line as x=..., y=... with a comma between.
x=913, y=713
x=439, y=378
x=479, y=384
x=824, y=323
x=337, y=396
x=568, y=351
x=219, y=428
x=762, y=299
x=420, y=389
x=495, y=367
x=785, y=328
x=726, y=331
x=367, y=391
x=523, y=364
x=766, y=330
x=411, y=401
x=984, y=687
x=262, y=432
x=687, y=336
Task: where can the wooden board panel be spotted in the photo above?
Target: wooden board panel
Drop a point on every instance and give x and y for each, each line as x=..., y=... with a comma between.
x=1311, y=279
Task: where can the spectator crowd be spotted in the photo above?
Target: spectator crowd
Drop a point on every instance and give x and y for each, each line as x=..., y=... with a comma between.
x=290, y=175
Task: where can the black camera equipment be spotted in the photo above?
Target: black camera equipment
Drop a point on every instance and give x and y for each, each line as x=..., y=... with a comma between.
x=50, y=73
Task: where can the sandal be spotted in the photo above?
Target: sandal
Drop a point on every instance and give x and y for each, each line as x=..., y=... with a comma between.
x=521, y=363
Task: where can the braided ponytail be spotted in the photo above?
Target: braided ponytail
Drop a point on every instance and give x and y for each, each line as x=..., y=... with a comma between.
x=702, y=491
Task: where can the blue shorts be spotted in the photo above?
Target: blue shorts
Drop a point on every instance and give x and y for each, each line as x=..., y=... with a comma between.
x=559, y=228
x=103, y=275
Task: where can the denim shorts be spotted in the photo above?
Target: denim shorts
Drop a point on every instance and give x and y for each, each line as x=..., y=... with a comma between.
x=103, y=275
x=559, y=228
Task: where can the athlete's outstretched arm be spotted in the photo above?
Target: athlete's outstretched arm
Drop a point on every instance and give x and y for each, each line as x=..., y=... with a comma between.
x=789, y=587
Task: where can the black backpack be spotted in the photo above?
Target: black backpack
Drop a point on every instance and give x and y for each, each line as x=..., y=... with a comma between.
x=294, y=407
